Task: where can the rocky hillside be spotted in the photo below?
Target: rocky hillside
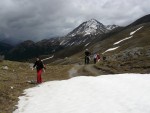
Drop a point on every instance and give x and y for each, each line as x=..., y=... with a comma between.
x=127, y=50
x=4, y=48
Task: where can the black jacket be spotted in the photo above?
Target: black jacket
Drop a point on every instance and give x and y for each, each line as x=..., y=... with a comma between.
x=87, y=53
x=39, y=65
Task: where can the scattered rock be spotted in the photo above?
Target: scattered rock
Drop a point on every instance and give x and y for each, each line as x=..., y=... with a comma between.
x=5, y=67
x=148, y=53
x=31, y=65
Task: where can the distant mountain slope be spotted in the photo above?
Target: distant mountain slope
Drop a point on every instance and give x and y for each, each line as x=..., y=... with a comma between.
x=11, y=41
x=144, y=19
x=29, y=49
x=125, y=49
x=137, y=36
x=134, y=36
x=4, y=48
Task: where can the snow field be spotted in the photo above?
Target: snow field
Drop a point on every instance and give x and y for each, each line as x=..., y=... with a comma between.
x=124, y=93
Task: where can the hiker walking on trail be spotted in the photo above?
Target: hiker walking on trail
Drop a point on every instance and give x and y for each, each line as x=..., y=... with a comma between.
x=40, y=68
x=95, y=58
x=87, y=56
x=98, y=57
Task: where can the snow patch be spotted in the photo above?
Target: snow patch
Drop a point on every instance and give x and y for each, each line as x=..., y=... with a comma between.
x=62, y=42
x=84, y=40
x=87, y=44
x=73, y=35
x=87, y=33
x=48, y=58
x=111, y=27
x=71, y=43
x=111, y=49
x=122, y=40
x=136, y=30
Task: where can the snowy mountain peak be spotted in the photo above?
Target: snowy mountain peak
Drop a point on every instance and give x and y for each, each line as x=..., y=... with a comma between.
x=111, y=27
x=86, y=32
x=93, y=22
x=89, y=27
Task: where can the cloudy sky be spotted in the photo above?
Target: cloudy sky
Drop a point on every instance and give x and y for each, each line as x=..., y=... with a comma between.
x=38, y=19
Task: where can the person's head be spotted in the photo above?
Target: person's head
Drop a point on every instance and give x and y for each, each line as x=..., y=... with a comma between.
x=37, y=58
x=86, y=50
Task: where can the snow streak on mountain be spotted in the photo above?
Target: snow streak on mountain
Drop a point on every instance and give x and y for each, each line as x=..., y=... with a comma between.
x=111, y=27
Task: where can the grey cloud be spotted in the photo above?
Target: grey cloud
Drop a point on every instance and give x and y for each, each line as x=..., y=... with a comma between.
x=38, y=19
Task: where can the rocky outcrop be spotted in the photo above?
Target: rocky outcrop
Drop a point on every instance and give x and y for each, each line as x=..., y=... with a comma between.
x=130, y=54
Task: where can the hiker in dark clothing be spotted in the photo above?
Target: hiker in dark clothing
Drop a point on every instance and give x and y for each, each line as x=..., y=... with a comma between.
x=40, y=68
x=87, y=56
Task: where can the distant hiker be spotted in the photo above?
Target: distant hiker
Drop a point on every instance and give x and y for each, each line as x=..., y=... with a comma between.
x=98, y=57
x=40, y=68
x=95, y=58
x=104, y=58
x=87, y=56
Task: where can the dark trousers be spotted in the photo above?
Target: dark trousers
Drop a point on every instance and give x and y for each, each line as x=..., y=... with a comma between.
x=87, y=59
x=95, y=60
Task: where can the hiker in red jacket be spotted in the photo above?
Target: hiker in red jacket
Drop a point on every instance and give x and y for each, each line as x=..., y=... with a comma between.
x=40, y=68
x=98, y=57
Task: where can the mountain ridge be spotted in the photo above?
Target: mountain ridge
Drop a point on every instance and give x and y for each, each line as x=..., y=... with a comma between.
x=92, y=27
x=144, y=19
x=86, y=32
x=76, y=44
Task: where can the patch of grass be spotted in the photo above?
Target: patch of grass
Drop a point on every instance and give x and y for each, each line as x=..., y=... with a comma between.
x=139, y=65
x=14, y=80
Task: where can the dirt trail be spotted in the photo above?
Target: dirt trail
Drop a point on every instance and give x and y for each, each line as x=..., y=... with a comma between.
x=86, y=70
x=74, y=71
x=94, y=71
